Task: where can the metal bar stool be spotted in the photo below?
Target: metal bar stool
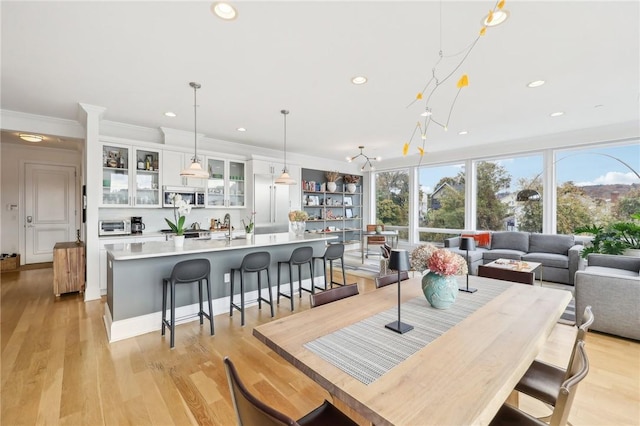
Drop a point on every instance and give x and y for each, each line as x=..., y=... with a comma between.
x=299, y=257
x=333, y=252
x=187, y=271
x=252, y=262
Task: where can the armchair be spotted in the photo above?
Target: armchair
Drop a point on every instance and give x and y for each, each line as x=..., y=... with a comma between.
x=611, y=285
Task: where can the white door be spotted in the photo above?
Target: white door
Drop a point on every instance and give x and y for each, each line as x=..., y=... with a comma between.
x=50, y=213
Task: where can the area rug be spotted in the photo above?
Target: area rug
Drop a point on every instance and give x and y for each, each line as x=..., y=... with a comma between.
x=569, y=315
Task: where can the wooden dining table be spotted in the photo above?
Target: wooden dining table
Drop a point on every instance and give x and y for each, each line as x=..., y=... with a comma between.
x=460, y=378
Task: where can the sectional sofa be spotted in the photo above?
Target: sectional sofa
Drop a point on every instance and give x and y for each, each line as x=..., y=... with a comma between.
x=559, y=254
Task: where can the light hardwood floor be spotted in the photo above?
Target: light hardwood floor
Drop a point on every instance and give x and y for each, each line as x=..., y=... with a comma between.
x=58, y=368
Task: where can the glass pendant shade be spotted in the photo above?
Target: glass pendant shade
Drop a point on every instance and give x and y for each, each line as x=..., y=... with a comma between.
x=284, y=178
x=195, y=169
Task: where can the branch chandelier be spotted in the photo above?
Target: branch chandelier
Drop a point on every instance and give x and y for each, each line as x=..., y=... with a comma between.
x=195, y=169
x=496, y=16
x=368, y=160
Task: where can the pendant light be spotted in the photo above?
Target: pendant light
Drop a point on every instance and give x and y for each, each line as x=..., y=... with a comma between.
x=284, y=178
x=195, y=169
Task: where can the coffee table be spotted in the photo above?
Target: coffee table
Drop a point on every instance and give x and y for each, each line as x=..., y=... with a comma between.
x=516, y=267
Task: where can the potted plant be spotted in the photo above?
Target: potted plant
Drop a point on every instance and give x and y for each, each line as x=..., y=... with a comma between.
x=297, y=222
x=248, y=227
x=332, y=178
x=616, y=238
x=181, y=209
x=352, y=181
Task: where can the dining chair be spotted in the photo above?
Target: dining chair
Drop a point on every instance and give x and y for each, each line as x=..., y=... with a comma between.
x=251, y=411
x=509, y=415
x=543, y=381
x=391, y=279
x=376, y=240
x=506, y=275
x=333, y=294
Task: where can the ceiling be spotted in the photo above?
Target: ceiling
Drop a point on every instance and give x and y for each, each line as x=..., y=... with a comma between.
x=136, y=59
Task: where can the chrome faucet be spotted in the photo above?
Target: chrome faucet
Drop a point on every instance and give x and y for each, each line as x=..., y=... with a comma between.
x=227, y=223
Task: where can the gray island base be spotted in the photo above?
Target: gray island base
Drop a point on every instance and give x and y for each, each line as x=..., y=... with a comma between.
x=135, y=273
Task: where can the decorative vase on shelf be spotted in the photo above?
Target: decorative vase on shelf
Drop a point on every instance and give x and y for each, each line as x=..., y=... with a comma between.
x=248, y=235
x=178, y=241
x=351, y=188
x=331, y=186
x=440, y=290
x=297, y=228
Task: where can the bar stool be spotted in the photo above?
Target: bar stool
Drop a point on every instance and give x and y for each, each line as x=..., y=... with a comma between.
x=299, y=257
x=187, y=271
x=333, y=252
x=252, y=262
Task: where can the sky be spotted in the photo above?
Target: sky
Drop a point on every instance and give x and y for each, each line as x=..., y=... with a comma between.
x=583, y=167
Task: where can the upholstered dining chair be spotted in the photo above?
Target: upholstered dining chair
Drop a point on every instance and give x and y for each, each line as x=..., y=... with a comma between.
x=333, y=294
x=377, y=240
x=543, y=381
x=391, y=279
x=251, y=411
x=508, y=415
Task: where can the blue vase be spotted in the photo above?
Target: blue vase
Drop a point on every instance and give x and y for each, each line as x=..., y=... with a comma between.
x=440, y=290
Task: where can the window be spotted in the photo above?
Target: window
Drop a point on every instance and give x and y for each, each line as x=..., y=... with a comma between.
x=392, y=200
x=597, y=186
x=441, y=200
x=499, y=181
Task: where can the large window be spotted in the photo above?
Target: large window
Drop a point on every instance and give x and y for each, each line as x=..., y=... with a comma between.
x=392, y=200
x=441, y=200
x=597, y=186
x=499, y=182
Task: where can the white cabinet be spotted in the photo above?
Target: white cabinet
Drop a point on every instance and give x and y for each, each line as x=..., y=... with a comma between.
x=130, y=176
x=173, y=162
x=226, y=184
x=130, y=239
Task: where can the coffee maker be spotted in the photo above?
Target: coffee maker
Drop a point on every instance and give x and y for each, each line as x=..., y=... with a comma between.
x=136, y=225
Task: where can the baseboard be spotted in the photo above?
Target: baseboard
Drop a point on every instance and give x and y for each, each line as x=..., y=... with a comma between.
x=131, y=327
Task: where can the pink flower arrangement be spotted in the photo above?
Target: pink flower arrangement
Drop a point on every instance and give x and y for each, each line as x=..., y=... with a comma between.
x=443, y=262
x=438, y=260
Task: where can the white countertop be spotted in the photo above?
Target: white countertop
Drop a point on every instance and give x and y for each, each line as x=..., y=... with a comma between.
x=153, y=249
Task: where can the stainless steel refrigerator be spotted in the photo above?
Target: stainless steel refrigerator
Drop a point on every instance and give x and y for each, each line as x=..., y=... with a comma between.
x=271, y=204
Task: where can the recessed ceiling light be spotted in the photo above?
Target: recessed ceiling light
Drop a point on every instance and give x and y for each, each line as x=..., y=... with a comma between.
x=499, y=16
x=536, y=83
x=556, y=114
x=31, y=138
x=241, y=129
x=170, y=114
x=359, y=79
x=598, y=106
x=224, y=11
x=464, y=132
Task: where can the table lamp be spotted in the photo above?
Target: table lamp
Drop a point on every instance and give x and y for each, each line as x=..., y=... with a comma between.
x=399, y=261
x=468, y=244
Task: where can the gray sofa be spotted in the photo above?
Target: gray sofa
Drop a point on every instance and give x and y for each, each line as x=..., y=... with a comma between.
x=611, y=285
x=559, y=254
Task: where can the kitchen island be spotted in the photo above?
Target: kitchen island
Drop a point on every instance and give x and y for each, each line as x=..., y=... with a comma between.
x=135, y=272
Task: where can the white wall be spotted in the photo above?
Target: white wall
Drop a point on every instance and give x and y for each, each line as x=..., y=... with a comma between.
x=13, y=157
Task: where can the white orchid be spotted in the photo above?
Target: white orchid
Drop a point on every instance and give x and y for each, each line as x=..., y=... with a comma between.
x=181, y=209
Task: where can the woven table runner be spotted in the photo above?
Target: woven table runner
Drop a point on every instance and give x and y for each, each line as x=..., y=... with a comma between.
x=366, y=350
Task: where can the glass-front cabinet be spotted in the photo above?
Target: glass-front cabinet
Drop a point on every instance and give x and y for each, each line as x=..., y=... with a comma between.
x=226, y=183
x=130, y=176
x=147, y=178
